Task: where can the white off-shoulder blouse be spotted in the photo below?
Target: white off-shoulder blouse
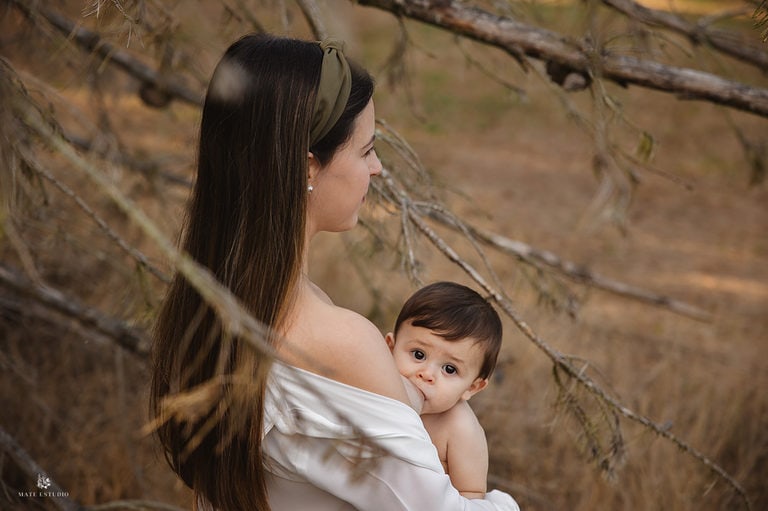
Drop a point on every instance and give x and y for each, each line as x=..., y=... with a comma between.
x=333, y=447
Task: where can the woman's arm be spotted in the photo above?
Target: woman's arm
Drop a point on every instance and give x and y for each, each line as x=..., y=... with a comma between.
x=375, y=484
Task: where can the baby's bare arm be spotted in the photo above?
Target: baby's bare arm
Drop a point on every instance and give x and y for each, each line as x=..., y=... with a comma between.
x=466, y=449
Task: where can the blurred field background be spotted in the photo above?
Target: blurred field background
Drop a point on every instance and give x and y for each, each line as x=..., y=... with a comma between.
x=515, y=162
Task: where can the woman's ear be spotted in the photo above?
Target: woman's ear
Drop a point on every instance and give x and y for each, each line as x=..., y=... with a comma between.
x=313, y=167
x=477, y=385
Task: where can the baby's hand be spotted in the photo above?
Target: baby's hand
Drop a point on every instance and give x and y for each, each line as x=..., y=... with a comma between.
x=502, y=500
x=414, y=395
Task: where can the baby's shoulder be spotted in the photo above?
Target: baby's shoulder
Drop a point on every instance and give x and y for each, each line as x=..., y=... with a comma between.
x=461, y=421
x=456, y=429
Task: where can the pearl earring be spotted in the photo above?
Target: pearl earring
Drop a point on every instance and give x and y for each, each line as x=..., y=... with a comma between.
x=310, y=188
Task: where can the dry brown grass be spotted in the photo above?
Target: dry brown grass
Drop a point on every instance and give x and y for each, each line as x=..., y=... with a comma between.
x=77, y=404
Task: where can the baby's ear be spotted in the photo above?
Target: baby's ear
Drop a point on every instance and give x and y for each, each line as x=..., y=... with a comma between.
x=477, y=385
x=390, y=338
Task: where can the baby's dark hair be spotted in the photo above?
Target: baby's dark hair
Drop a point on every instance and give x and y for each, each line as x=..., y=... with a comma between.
x=454, y=312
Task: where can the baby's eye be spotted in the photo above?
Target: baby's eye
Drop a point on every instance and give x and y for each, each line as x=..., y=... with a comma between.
x=418, y=355
x=450, y=369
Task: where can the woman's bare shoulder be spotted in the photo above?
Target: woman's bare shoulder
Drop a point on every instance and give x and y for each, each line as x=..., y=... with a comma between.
x=345, y=346
x=349, y=325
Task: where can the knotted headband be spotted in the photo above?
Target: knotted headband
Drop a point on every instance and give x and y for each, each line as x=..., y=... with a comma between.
x=333, y=91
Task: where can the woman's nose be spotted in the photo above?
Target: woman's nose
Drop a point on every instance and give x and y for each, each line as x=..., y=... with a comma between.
x=376, y=166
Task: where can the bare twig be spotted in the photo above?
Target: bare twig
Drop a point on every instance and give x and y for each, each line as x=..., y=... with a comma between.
x=761, y=19
x=244, y=12
x=698, y=33
x=491, y=74
x=18, y=244
x=136, y=254
x=429, y=208
x=149, y=168
x=580, y=273
x=130, y=338
x=312, y=14
x=164, y=83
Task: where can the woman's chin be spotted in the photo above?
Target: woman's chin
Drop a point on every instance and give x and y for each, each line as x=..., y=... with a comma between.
x=339, y=225
x=348, y=226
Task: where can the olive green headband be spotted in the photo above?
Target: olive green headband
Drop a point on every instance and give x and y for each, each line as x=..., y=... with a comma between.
x=333, y=91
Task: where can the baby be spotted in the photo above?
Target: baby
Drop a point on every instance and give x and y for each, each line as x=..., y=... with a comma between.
x=446, y=342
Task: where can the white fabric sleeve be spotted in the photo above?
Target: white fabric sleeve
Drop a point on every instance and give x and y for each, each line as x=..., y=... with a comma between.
x=394, y=485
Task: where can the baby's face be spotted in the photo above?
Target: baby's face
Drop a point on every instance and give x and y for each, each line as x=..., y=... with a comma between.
x=443, y=371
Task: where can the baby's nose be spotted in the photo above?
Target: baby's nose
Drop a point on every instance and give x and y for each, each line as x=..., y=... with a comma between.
x=425, y=374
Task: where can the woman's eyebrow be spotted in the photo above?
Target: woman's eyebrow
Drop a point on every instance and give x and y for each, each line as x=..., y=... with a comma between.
x=371, y=141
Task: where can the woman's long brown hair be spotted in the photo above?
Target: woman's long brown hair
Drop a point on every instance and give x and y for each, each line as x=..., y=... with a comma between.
x=246, y=223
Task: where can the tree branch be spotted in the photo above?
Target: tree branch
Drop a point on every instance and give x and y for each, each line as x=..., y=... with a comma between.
x=133, y=252
x=163, y=84
x=573, y=271
x=130, y=338
x=312, y=15
x=515, y=38
x=698, y=33
x=538, y=258
x=149, y=168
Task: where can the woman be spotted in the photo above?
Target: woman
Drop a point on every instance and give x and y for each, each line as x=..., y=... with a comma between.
x=286, y=151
